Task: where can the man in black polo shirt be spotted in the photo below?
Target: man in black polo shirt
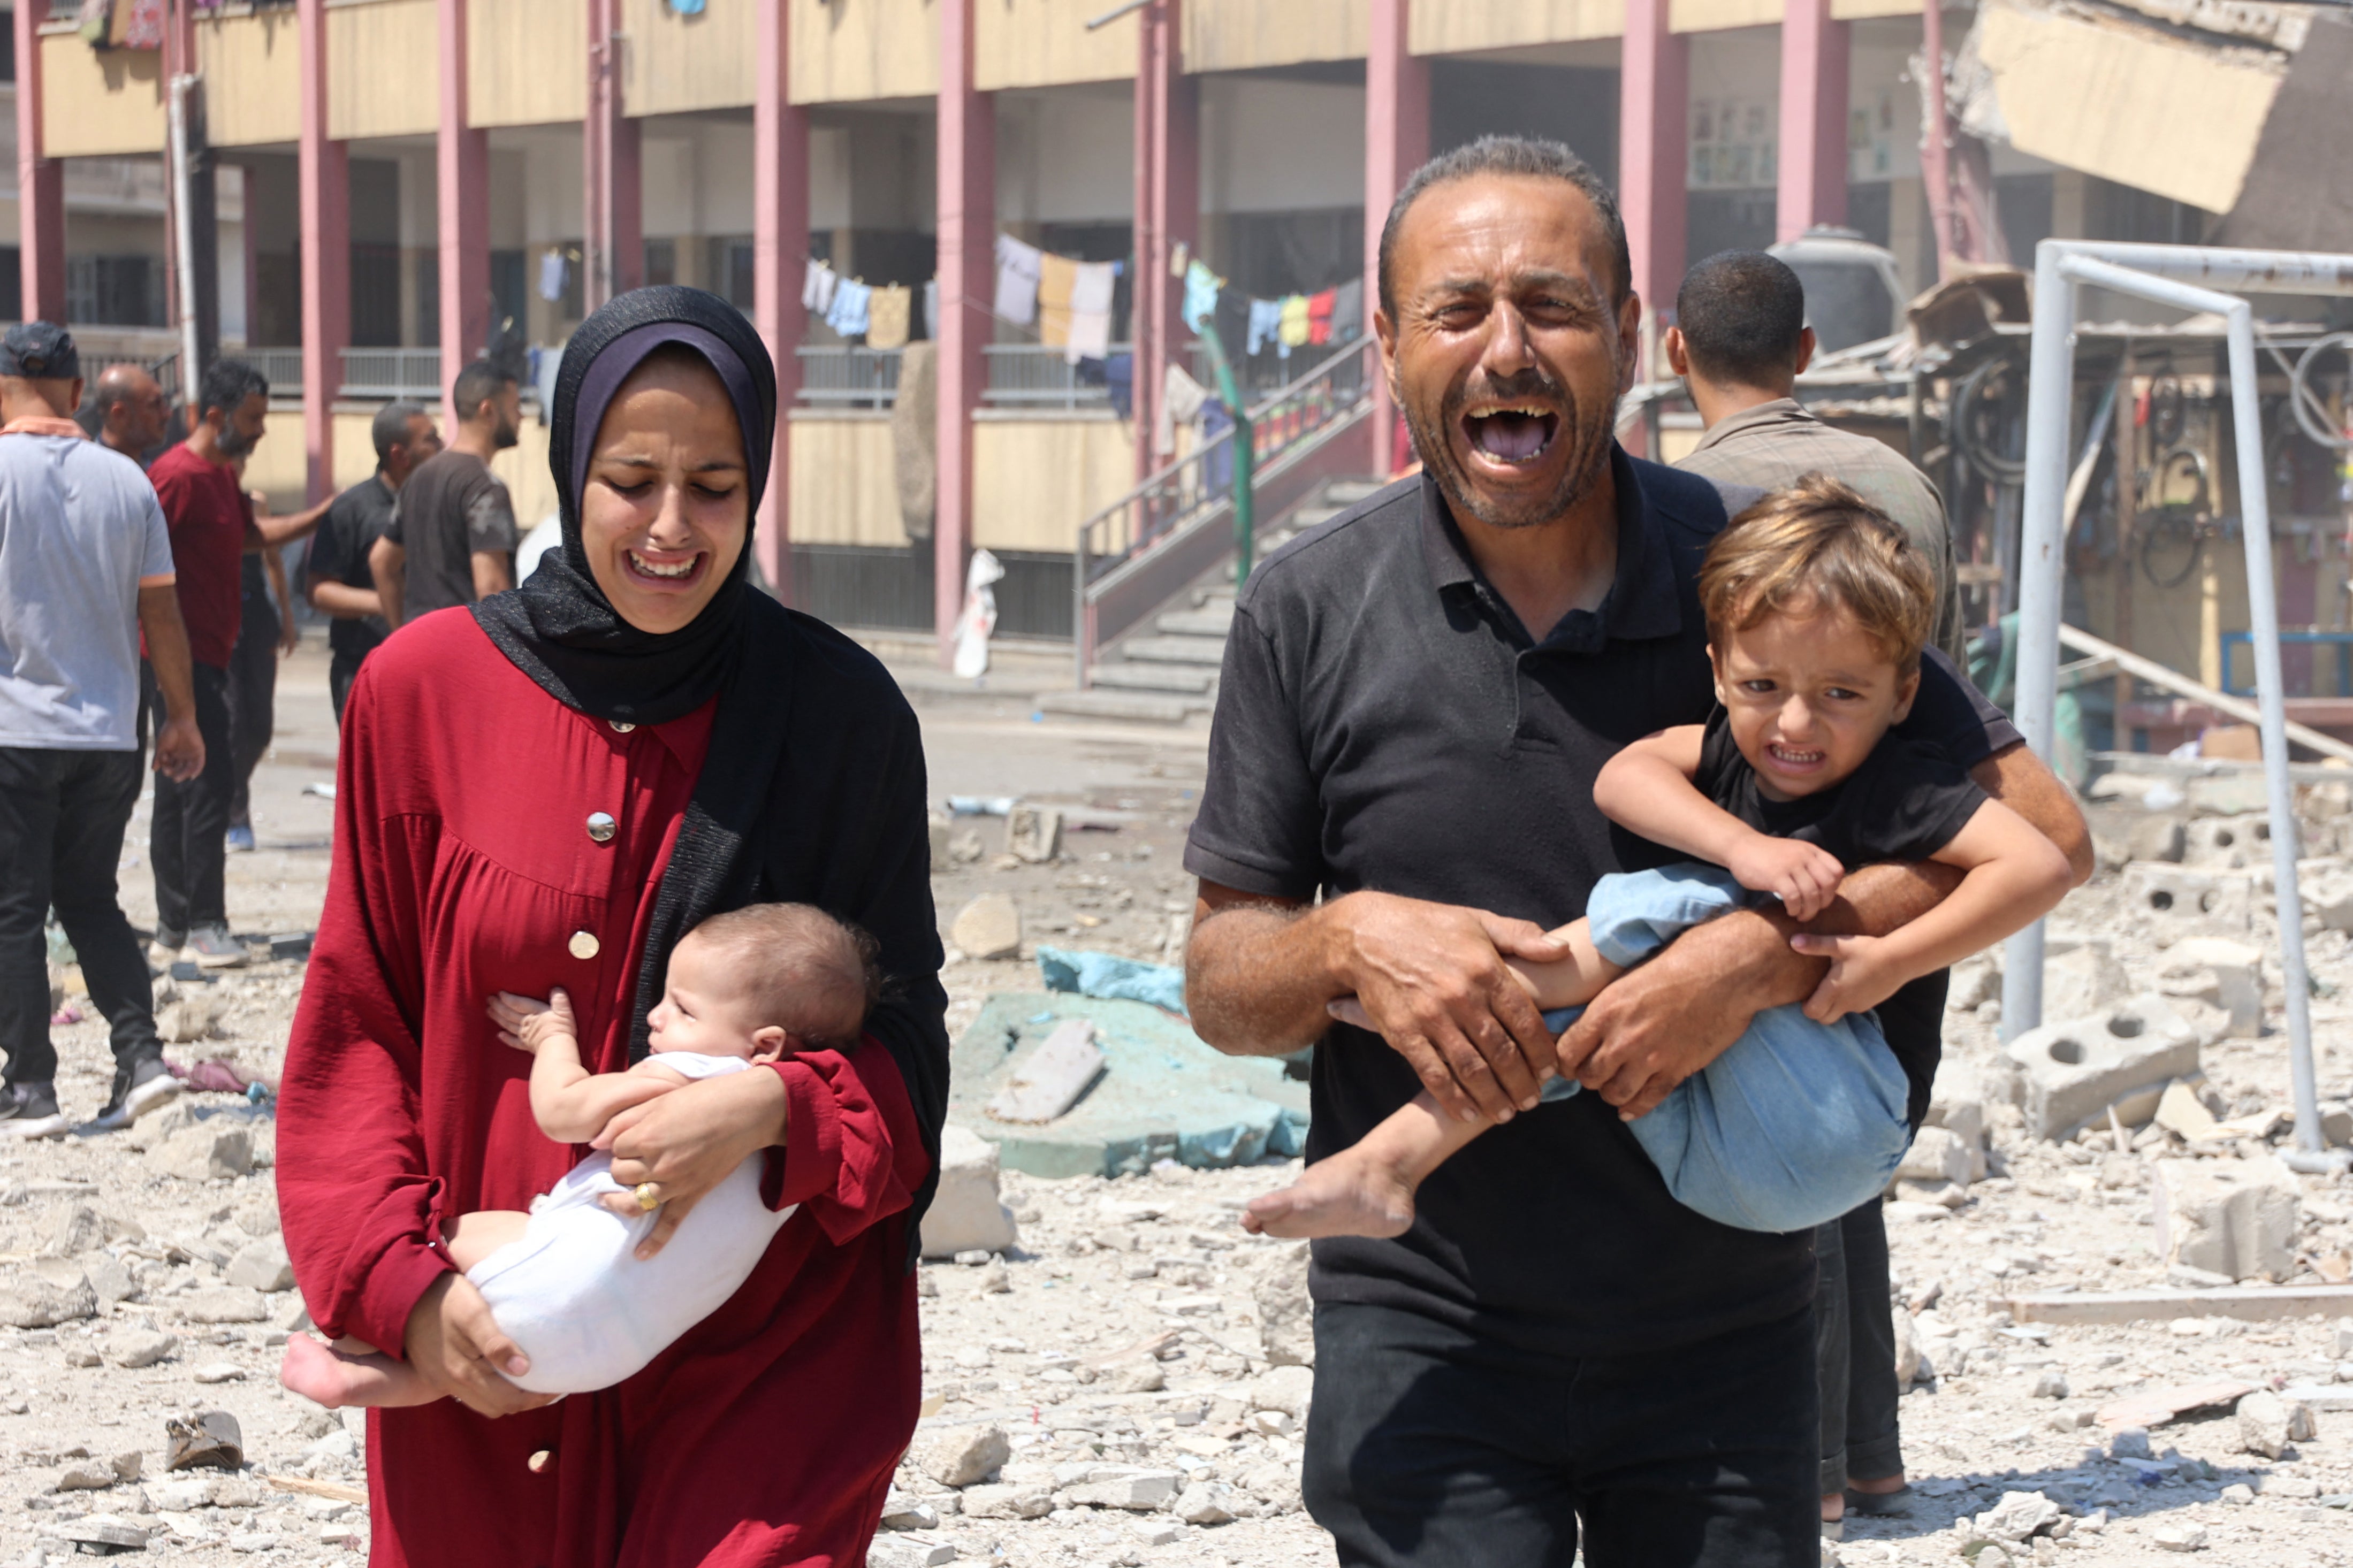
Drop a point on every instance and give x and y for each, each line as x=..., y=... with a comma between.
x=340, y=584
x=1417, y=697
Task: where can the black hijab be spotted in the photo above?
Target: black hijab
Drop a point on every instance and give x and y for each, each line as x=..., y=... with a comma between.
x=813, y=790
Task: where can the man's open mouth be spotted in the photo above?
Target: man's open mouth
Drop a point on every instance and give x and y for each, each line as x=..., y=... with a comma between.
x=1519, y=433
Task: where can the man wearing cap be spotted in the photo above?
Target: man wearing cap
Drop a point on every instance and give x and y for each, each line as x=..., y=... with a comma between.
x=85, y=567
x=212, y=526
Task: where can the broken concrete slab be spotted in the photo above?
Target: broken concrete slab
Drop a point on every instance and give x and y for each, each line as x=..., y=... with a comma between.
x=2227, y=843
x=1052, y=1077
x=2188, y=901
x=1165, y=1094
x=2081, y=981
x=203, y=1152
x=2156, y=1407
x=988, y=927
x=2222, y=974
x=2233, y=1217
x=262, y=1265
x=51, y=1291
x=1938, y=1154
x=2072, y=1072
x=959, y=1455
x=2268, y=1424
x=2246, y=1303
x=1033, y=833
x=965, y=1215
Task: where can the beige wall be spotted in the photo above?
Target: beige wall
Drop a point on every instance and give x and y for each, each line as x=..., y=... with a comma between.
x=97, y=105
x=1045, y=43
x=1238, y=35
x=673, y=64
x=843, y=488
x=1716, y=15
x=526, y=62
x=253, y=79
x=1501, y=24
x=382, y=68
x=1034, y=480
x=848, y=50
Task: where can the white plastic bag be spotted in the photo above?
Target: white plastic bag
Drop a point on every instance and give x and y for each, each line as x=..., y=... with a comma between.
x=978, y=620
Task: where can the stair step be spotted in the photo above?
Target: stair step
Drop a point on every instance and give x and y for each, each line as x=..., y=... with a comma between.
x=1130, y=706
x=1175, y=650
x=1189, y=679
x=1207, y=622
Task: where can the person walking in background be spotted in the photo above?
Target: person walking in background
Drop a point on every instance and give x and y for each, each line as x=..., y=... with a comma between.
x=265, y=633
x=129, y=412
x=85, y=567
x=453, y=534
x=212, y=525
x=1739, y=342
x=340, y=583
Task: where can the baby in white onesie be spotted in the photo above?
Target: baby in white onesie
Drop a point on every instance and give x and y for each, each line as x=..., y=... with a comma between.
x=565, y=1280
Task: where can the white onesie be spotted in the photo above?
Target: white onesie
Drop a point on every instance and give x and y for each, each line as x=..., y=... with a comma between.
x=578, y=1301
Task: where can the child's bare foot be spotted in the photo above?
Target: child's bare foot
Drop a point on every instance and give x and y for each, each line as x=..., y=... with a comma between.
x=337, y=1379
x=1350, y=1193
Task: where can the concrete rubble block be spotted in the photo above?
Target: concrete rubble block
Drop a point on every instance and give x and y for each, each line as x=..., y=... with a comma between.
x=1957, y=1102
x=2268, y=1424
x=2123, y=1056
x=2160, y=837
x=88, y=1476
x=210, y=1441
x=109, y=1278
x=262, y=1265
x=104, y=1535
x=1976, y=980
x=194, y=1016
x=959, y=1455
x=909, y=1551
x=48, y=1292
x=2183, y=1537
x=74, y=1228
x=1205, y=1502
x=942, y=828
x=2082, y=980
x=140, y=1347
x=1911, y=1362
x=222, y=1307
x=1288, y=1389
x=902, y=1511
x=2228, y=795
x=1131, y=1486
x=2222, y=974
x=203, y=1153
x=2231, y=1218
x=1286, y=1318
x=2327, y=895
x=1023, y=1501
x=2227, y=843
x=1033, y=833
x=988, y=927
x=1052, y=1077
x=2018, y=1516
x=174, y=1497
x=1938, y=1154
x=159, y=1127
x=965, y=1215
x=2179, y=898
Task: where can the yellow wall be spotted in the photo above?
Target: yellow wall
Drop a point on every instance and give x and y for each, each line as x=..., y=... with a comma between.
x=526, y=62
x=1856, y=10
x=1045, y=43
x=843, y=488
x=99, y=105
x=253, y=79
x=846, y=50
x=382, y=68
x=1715, y=16
x=673, y=64
x=1034, y=480
x=1511, y=23
x=1238, y=35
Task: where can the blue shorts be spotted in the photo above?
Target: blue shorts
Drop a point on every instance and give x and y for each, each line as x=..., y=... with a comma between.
x=1797, y=1124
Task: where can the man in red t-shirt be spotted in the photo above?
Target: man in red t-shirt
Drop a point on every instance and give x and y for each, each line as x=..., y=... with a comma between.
x=212, y=526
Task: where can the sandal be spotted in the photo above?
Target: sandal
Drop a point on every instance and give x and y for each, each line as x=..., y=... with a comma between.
x=1897, y=1504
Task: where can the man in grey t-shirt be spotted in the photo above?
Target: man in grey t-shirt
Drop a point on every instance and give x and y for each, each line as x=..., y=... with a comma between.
x=453, y=535
x=85, y=566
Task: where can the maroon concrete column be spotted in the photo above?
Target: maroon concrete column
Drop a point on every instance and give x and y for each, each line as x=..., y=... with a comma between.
x=323, y=173
x=1167, y=208
x=462, y=199
x=1812, y=186
x=968, y=240
x=41, y=185
x=613, y=230
x=1653, y=110
x=1396, y=143
x=780, y=220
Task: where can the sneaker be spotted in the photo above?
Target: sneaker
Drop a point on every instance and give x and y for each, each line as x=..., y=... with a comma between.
x=30, y=1110
x=240, y=835
x=213, y=948
x=166, y=949
x=151, y=1085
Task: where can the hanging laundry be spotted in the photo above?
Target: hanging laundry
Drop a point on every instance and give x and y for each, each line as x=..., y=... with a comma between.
x=1294, y=323
x=931, y=309
x=1265, y=323
x=1017, y=280
x=1179, y=256
x=142, y=23
x=552, y=271
x=1181, y=398
x=1057, y=276
x=887, y=317
x=1091, y=296
x=850, y=302
x=1201, y=287
x=1319, y=316
x=817, y=287
x=1348, y=311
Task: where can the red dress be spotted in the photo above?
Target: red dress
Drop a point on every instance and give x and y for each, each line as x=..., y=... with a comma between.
x=463, y=866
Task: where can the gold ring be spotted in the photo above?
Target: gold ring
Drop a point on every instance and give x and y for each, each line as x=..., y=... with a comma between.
x=649, y=1196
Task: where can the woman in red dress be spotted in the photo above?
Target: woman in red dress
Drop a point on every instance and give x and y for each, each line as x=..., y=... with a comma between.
x=550, y=790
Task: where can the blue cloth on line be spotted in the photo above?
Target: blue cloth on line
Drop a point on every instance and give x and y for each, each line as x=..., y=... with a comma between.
x=1200, y=294
x=1797, y=1124
x=1113, y=978
x=849, y=315
x=1265, y=320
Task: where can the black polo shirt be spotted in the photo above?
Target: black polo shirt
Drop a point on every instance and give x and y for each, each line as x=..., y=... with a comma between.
x=1384, y=722
x=359, y=517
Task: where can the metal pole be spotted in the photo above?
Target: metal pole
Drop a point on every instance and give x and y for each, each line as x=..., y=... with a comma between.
x=2050, y=409
x=1934, y=134
x=1245, y=453
x=184, y=230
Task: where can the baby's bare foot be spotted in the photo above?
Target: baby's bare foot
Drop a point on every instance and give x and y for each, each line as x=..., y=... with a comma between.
x=1347, y=1194
x=316, y=1372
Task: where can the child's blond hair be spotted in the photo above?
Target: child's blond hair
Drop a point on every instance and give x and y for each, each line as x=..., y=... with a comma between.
x=1818, y=545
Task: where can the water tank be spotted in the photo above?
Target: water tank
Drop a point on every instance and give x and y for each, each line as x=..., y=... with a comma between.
x=1853, y=294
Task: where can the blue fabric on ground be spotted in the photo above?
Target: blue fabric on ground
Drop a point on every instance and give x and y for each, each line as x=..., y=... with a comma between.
x=1113, y=978
x=1794, y=1124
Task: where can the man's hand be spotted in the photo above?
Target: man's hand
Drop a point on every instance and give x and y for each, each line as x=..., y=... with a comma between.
x=290, y=636
x=1804, y=877
x=1656, y=1026
x=1860, y=975
x=1432, y=979
x=180, y=749
x=457, y=1348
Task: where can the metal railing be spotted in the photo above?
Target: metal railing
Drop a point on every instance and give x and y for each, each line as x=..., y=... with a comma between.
x=1263, y=372
x=390, y=373
x=1032, y=376
x=1190, y=498
x=847, y=376
x=282, y=368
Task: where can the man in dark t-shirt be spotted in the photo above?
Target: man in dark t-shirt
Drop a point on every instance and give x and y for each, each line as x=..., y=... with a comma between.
x=453, y=535
x=340, y=584
x=1416, y=699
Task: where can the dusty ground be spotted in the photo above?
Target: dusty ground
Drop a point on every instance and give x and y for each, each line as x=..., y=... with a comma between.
x=1120, y=1342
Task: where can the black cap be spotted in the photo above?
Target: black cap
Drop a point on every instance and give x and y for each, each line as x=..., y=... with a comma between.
x=39, y=351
